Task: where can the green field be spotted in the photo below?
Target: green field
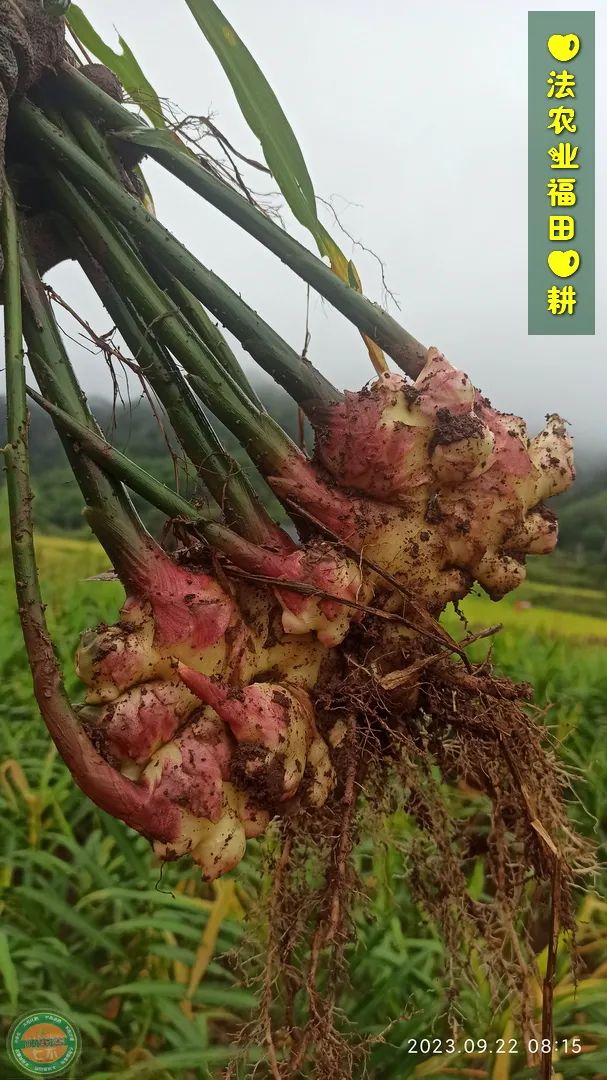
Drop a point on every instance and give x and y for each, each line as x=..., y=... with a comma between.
x=558, y=612
x=144, y=959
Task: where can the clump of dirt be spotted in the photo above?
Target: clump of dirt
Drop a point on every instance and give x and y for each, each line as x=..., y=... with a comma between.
x=32, y=42
x=451, y=427
x=32, y=48
x=104, y=79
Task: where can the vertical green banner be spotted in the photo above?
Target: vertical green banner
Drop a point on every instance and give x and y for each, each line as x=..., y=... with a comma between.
x=561, y=231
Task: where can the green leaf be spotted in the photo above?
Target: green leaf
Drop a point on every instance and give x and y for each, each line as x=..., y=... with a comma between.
x=189, y=1059
x=261, y=109
x=264, y=115
x=123, y=64
x=229, y=997
x=476, y=885
x=68, y=915
x=8, y=970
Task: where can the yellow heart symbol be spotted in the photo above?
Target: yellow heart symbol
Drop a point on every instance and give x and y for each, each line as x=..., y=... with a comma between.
x=564, y=46
x=564, y=263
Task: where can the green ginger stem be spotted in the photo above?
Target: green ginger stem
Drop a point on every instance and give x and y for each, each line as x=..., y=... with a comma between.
x=123, y=467
x=102, y=783
x=257, y=432
x=218, y=470
x=372, y=320
x=297, y=375
x=204, y=326
x=94, y=142
x=106, y=500
x=139, y=480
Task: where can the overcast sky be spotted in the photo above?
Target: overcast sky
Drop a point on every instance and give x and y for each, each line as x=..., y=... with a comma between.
x=414, y=118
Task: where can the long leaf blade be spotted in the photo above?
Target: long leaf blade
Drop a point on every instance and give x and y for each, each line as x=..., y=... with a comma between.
x=124, y=65
x=266, y=118
x=262, y=111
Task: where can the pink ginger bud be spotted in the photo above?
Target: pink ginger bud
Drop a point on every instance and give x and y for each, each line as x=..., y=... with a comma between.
x=388, y=439
x=441, y=386
x=186, y=605
x=190, y=770
x=112, y=658
x=318, y=566
x=131, y=728
x=215, y=846
x=176, y=613
x=374, y=440
x=276, y=721
x=192, y=774
x=300, y=485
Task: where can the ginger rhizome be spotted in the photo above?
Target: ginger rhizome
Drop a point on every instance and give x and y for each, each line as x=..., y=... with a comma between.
x=205, y=691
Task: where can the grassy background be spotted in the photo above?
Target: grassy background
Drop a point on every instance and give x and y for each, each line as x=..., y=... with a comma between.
x=145, y=960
